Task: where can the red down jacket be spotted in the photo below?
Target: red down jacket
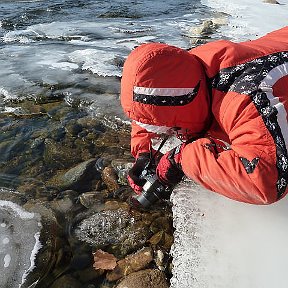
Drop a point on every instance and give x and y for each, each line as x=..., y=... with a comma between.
x=235, y=92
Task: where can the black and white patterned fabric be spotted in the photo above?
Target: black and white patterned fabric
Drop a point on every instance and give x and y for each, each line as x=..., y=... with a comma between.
x=163, y=100
x=255, y=79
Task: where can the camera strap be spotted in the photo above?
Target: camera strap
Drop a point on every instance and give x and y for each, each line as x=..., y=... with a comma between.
x=153, y=156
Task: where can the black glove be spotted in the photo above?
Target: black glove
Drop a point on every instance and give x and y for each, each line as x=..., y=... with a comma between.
x=134, y=173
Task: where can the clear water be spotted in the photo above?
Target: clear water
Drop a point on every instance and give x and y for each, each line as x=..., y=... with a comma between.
x=72, y=51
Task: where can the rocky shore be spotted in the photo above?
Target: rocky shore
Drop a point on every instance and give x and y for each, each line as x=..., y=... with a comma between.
x=69, y=169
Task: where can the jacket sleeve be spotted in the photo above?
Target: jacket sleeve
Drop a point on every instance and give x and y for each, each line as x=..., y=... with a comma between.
x=140, y=140
x=246, y=171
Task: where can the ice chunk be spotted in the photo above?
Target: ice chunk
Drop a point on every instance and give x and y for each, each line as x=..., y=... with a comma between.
x=19, y=243
x=223, y=243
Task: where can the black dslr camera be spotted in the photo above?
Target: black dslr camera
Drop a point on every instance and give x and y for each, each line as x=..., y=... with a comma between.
x=153, y=189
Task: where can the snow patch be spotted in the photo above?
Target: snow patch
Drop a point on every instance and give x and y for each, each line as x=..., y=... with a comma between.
x=17, y=209
x=7, y=260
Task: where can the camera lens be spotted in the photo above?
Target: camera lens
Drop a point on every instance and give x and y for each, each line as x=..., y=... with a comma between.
x=146, y=199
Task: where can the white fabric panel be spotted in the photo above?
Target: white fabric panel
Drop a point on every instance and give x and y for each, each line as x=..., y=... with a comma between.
x=266, y=85
x=163, y=91
x=154, y=128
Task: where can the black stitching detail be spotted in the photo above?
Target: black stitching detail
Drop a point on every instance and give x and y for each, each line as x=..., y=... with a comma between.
x=249, y=165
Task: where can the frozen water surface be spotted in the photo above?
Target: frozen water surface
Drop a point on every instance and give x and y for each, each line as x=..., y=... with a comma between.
x=19, y=243
x=224, y=243
x=250, y=19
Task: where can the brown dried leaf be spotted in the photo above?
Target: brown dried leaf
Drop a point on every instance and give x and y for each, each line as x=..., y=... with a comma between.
x=104, y=260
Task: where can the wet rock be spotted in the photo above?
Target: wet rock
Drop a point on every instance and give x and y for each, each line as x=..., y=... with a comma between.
x=160, y=260
x=116, y=228
x=35, y=189
x=145, y=279
x=87, y=275
x=79, y=177
x=63, y=204
x=271, y=1
x=162, y=223
x=37, y=144
x=122, y=168
x=85, y=148
x=91, y=136
x=107, y=139
x=115, y=205
x=162, y=227
x=12, y=196
x=208, y=27
x=73, y=128
x=31, y=108
x=57, y=156
x=101, y=163
x=124, y=193
x=110, y=178
x=58, y=134
x=80, y=260
x=156, y=238
x=93, y=198
x=201, y=34
x=5, y=147
x=131, y=263
x=105, y=284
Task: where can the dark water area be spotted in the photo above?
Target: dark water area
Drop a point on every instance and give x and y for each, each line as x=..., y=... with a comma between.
x=65, y=143
x=20, y=14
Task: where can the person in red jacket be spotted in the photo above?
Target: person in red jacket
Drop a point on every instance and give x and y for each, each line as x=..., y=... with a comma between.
x=228, y=104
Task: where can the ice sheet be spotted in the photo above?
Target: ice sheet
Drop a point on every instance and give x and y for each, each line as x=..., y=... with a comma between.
x=222, y=243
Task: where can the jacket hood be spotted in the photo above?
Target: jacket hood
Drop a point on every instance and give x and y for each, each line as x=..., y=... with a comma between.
x=163, y=85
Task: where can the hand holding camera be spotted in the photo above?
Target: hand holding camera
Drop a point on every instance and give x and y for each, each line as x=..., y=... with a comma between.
x=169, y=170
x=153, y=181
x=134, y=175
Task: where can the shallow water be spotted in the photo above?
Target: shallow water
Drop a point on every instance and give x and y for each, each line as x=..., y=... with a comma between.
x=61, y=64
x=66, y=58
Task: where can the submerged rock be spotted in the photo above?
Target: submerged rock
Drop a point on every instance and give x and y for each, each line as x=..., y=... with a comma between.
x=145, y=279
x=58, y=156
x=66, y=281
x=122, y=167
x=110, y=178
x=79, y=177
x=131, y=263
x=115, y=228
x=92, y=198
